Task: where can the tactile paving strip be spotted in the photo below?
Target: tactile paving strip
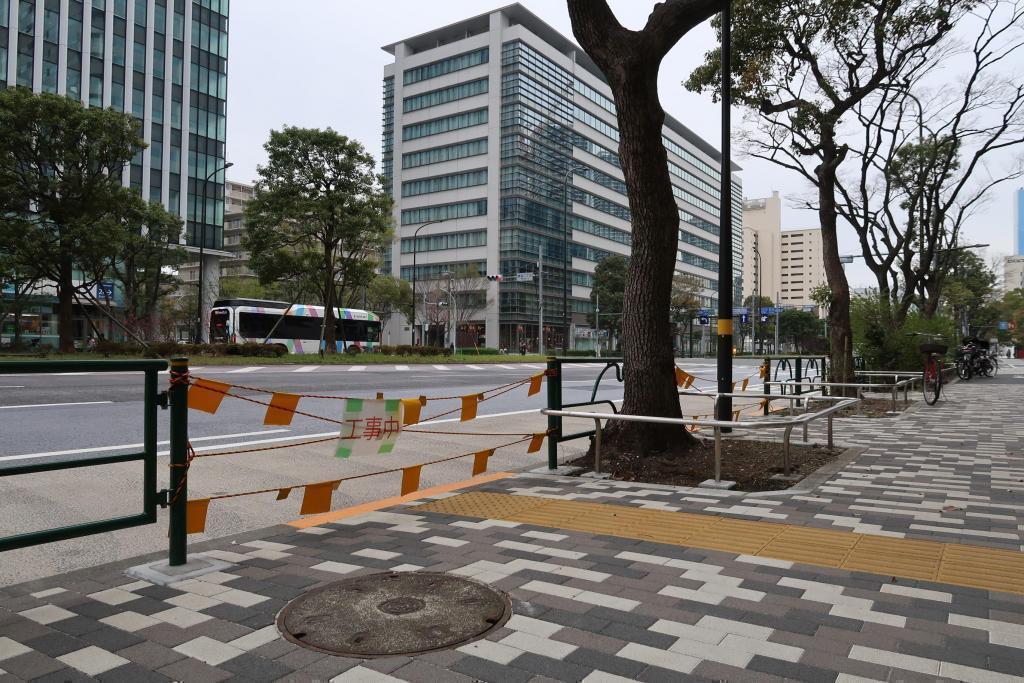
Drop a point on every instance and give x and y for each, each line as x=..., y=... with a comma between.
x=961, y=565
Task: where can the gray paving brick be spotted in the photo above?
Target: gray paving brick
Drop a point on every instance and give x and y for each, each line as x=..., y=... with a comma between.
x=792, y=670
x=483, y=670
x=31, y=665
x=134, y=673
x=257, y=669
x=421, y=672
x=552, y=668
x=189, y=670
x=150, y=655
x=601, y=660
x=68, y=675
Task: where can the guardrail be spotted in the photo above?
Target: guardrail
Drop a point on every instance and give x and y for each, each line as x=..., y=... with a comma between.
x=786, y=424
x=554, y=396
x=893, y=387
x=151, y=399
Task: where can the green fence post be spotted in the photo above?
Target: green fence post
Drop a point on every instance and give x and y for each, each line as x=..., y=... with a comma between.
x=149, y=445
x=179, y=459
x=554, y=373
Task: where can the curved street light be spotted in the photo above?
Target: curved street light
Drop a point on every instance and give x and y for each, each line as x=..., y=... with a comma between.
x=415, y=249
x=202, y=245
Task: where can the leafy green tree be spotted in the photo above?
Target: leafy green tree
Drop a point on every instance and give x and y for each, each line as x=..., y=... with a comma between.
x=60, y=189
x=969, y=291
x=630, y=59
x=800, y=328
x=387, y=295
x=802, y=66
x=320, y=217
x=609, y=285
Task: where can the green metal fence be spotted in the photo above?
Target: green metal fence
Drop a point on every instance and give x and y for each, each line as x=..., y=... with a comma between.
x=151, y=399
x=554, y=382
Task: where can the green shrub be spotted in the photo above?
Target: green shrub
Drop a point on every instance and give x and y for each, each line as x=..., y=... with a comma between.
x=885, y=349
x=579, y=353
x=388, y=350
x=478, y=351
x=353, y=350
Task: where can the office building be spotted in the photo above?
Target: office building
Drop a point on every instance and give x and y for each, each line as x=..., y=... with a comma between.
x=236, y=262
x=164, y=62
x=802, y=266
x=1013, y=273
x=762, y=246
x=500, y=127
x=1018, y=214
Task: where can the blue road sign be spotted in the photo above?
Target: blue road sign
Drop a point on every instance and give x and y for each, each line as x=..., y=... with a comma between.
x=105, y=290
x=764, y=318
x=770, y=310
x=744, y=318
x=1004, y=324
x=704, y=320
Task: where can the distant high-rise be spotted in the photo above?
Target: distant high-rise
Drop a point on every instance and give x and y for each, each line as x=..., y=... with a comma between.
x=1018, y=243
x=163, y=61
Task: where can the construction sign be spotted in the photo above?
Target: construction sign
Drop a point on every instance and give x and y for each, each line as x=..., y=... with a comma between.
x=371, y=427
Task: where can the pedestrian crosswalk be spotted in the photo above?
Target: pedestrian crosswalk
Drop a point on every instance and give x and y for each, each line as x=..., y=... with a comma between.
x=438, y=367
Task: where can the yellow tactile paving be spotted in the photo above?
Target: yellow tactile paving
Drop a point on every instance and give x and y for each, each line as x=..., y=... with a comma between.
x=962, y=565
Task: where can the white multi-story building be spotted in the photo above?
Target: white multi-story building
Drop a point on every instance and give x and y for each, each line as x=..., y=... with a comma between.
x=499, y=127
x=803, y=266
x=762, y=248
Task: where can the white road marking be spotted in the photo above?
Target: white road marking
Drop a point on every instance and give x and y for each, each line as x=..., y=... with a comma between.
x=100, y=449
x=505, y=367
x=307, y=368
x=55, y=405
x=473, y=367
x=357, y=368
x=12, y=386
x=251, y=369
x=440, y=367
x=531, y=366
x=401, y=368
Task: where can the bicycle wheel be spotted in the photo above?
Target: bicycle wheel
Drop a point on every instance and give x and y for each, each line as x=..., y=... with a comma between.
x=932, y=380
x=963, y=368
x=985, y=367
x=994, y=367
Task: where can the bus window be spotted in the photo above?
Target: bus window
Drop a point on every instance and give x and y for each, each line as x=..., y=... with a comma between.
x=373, y=331
x=219, y=325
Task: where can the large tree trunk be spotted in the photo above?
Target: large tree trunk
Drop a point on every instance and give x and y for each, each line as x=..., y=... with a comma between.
x=840, y=330
x=65, y=300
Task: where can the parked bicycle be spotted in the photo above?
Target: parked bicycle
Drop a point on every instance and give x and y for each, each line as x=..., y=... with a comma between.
x=931, y=376
x=974, y=358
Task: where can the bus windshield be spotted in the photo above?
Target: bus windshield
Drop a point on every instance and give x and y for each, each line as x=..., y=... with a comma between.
x=219, y=325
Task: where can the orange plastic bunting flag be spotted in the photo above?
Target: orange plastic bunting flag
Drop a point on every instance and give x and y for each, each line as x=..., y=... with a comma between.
x=411, y=479
x=206, y=395
x=535, y=442
x=680, y=377
x=480, y=461
x=317, y=498
x=535, y=383
x=195, y=515
x=281, y=409
x=746, y=381
x=469, y=404
x=762, y=372
x=283, y=493
x=411, y=409
x=735, y=416
x=380, y=395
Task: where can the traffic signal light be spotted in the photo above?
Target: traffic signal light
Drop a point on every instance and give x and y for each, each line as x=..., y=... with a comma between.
x=494, y=278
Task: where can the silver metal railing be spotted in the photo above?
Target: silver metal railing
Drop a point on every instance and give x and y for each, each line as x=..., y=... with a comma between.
x=786, y=424
x=861, y=387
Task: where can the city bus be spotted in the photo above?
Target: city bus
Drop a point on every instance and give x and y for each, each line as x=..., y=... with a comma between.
x=296, y=327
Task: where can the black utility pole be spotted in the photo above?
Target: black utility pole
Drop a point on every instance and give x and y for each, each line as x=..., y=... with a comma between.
x=724, y=405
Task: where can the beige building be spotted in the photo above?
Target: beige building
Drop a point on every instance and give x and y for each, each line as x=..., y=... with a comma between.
x=787, y=264
x=1013, y=273
x=762, y=245
x=802, y=266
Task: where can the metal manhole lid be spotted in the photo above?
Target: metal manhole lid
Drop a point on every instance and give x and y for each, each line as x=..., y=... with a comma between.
x=393, y=613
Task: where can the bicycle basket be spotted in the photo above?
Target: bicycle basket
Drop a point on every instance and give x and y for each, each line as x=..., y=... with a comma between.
x=933, y=347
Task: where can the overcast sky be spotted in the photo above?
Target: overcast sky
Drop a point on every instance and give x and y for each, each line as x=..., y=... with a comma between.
x=318, y=63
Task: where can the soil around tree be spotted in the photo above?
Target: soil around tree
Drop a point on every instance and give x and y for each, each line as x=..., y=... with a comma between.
x=749, y=463
x=868, y=407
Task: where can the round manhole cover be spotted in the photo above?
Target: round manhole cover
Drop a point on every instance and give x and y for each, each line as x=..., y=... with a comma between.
x=394, y=613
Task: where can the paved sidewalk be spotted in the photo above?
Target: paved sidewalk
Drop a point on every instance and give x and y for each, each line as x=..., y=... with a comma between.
x=602, y=606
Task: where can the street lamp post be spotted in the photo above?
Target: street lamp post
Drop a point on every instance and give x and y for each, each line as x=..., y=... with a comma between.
x=202, y=246
x=567, y=260
x=415, y=249
x=756, y=301
x=725, y=285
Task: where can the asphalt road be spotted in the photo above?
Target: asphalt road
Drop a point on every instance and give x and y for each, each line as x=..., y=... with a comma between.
x=80, y=415
x=67, y=417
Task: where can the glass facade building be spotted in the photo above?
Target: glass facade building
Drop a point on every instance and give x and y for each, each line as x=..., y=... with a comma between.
x=163, y=61
x=505, y=131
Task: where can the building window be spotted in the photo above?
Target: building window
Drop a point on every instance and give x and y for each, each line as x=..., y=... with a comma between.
x=444, y=124
x=447, y=153
x=423, y=214
x=444, y=95
x=448, y=240
x=445, y=66
x=442, y=183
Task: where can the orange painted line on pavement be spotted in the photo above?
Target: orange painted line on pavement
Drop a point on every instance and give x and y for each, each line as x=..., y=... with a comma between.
x=356, y=510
